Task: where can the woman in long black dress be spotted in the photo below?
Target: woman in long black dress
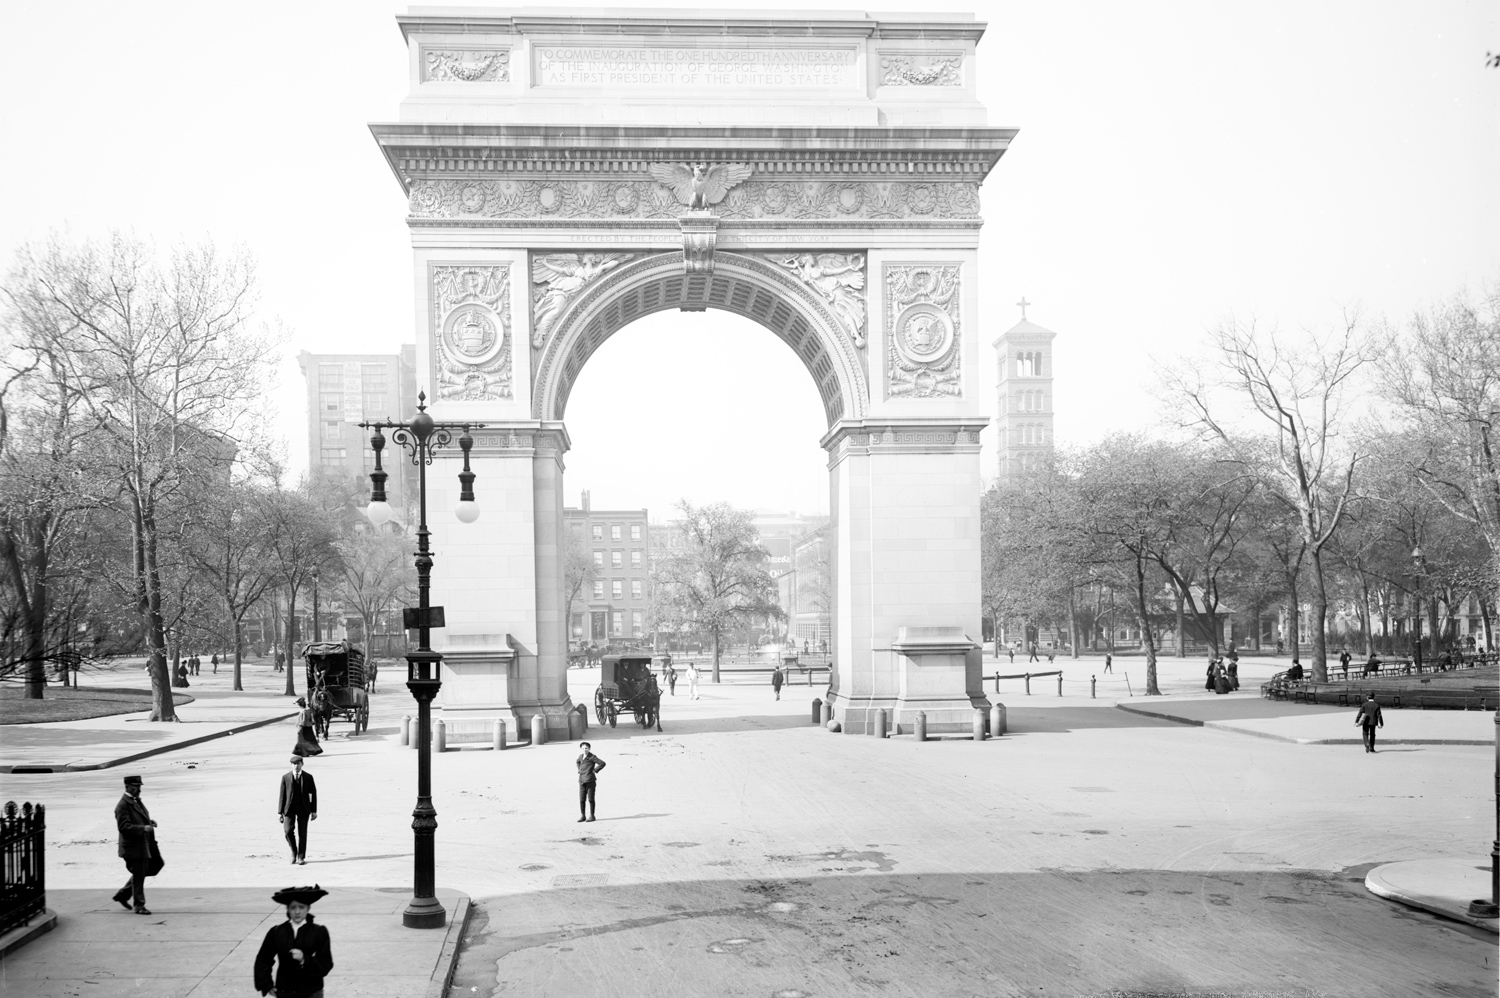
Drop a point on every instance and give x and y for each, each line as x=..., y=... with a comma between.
x=307, y=739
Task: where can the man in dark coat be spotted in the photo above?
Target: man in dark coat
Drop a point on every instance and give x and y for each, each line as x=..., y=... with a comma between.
x=776, y=680
x=296, y=805
x=1369, y=718
x=588, y=765
x=300, y=949
x=137, y=843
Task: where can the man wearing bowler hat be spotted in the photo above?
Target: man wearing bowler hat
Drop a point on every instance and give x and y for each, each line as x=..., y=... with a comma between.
x=137, y=846
x=300, y=949
x=297, y=804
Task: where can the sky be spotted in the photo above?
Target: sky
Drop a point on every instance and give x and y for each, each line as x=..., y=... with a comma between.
x=1176, y=162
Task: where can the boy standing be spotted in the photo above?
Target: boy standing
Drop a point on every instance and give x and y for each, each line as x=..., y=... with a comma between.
x=589, y=765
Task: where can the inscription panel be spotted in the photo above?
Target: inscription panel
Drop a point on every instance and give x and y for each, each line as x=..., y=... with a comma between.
x=697, y=67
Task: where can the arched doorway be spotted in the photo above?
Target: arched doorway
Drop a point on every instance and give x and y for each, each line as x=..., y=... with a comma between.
x=855, y=245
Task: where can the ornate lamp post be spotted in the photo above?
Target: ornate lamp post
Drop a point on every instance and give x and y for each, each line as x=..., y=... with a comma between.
x=422, y=437
x=317, y=630
x=1481, y=908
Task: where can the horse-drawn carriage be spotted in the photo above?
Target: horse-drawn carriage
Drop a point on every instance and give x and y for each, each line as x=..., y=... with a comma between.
x=337, y=684
x=626, y=684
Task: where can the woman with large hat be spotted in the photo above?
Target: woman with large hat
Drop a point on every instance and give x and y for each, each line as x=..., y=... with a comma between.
x=299, y=948
x=307, y=737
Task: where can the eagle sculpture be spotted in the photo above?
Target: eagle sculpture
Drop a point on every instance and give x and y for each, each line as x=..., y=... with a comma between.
x=700, y=185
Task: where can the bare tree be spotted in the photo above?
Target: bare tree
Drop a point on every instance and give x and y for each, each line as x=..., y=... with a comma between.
x=719, y=580
x=302, y=536
x=378, y=575
x=1301, y=392
x=162, y=358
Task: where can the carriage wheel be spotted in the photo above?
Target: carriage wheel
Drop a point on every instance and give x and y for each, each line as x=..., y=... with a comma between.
x=656, y=713
x=362, y=722
x=599, y=710
x=613, y=715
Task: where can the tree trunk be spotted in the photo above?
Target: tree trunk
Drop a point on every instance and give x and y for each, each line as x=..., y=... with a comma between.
x=1148, y=641
x=1365, y=620
x=291, y=641
x=1434, y=639
x=1319, y=619
x=163, y=707
x=239, y=648
x=1073, y=619
x=716, y=656
x=1181, y=629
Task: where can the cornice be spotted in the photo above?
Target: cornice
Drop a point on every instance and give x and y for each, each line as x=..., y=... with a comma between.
x=786, y=25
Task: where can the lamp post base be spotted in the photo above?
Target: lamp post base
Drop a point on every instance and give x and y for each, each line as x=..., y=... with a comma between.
x=1484, y=909
x=424, y=913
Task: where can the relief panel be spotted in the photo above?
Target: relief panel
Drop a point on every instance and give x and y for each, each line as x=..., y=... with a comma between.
x=924, y=342
x=471, y=327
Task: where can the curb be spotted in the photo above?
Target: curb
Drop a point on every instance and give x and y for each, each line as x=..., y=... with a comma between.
x=39, y=925
x=26, y=769
x=442, y=974
x=1377, y=886
x=1292, y=739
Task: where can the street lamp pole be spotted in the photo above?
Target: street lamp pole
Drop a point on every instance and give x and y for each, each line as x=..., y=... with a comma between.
x=421, y=438
x=1416, y=577
x=317, y=630
x=1491, y=909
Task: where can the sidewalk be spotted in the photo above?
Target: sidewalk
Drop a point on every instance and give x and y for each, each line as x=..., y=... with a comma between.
x=203, y=943
x=217, y=711
x=1442, y=886
x=1247, y=713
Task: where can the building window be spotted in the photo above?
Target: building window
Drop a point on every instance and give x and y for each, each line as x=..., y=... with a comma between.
x=635, y=558
x=614, y=531
x=617, y=623
x=635, y=588
x=598, y=531
x=374, y=377
x=330, y=431
x=334, y=455
x=637, y=623
x=617, y=589
x=333, y=403
x=331, y=377
x=616, y=559
x=375, y=405
x=598, y=559
x=635, y=531
x=598, y=589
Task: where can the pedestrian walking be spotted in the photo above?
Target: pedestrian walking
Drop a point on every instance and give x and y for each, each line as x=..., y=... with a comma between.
x=298, y=948
x=589, y=765
x=1109, y=662
x=137, y=847
x=296, y=805
x=671, y=680
x=1368, y=719
x=215, y=662
x=693, y=680
x=1344, y=658
x=1051, y=654
x=280, y=658
x=180, y=679
x=1033, y=657
x=776, y=680
x=1011, y=651
x=1209, y=683
x=307, y=737
x=1233, y=670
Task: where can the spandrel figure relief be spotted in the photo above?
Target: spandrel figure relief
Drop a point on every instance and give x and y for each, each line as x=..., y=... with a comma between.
x=839, y=278
x=557, y=278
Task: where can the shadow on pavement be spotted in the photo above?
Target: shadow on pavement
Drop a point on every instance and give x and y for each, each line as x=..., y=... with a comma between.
x=1060, y=720
x=834, y=926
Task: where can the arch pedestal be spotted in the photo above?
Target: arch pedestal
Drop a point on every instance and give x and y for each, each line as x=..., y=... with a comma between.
x=836, y=205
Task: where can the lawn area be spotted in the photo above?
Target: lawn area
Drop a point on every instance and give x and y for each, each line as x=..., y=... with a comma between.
x=65, y=703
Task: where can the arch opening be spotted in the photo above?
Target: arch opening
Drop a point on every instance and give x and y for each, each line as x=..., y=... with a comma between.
x=740, y=285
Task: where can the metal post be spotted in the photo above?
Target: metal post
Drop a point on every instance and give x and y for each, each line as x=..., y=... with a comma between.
x=1092, y=681
x=1028, y=684
x=1059, y=684
x=1491, y=908
x=317, y=630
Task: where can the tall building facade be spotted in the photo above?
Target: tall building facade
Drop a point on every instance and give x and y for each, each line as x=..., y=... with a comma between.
x=611, y=606
x=1025, y=411
x=344, y=389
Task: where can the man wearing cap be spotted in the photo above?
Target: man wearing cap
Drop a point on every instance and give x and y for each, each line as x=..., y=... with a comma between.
x=589, y=764
x=1368, y=719
x=137, y=844
x=299, y=948
x=297, y=805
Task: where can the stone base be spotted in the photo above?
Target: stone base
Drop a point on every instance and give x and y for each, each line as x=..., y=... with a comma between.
x=944, y=716
x=555, y=712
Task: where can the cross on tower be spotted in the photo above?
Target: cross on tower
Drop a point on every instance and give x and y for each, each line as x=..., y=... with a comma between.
x=1023, y=303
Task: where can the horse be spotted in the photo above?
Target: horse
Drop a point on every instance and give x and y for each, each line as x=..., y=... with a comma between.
x=322, y=710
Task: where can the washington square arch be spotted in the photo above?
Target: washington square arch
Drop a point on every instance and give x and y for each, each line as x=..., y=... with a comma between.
x=570, y=172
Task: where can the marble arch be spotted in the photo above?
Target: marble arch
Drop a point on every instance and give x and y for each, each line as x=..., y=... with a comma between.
x=548, y=163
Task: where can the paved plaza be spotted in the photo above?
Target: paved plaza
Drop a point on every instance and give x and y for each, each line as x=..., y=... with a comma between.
x=744, y=851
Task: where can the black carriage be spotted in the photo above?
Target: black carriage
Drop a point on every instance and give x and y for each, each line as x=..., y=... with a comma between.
x=337, y=684
x=627, y=685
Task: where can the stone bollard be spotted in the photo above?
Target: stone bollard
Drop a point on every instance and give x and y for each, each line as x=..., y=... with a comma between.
x=827, y=712
x=879, y=731
x=406, y=729
x=1092, y=681
x=442, y=736
x=979, y=724
x=997, y=720
x=583, y=717
x=499, y=736
x=575, y=726
x=538, y=730
x=831, y=725
x=817, y=710
x=1028, y=684
x=921, y=726
x=1059, y=684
